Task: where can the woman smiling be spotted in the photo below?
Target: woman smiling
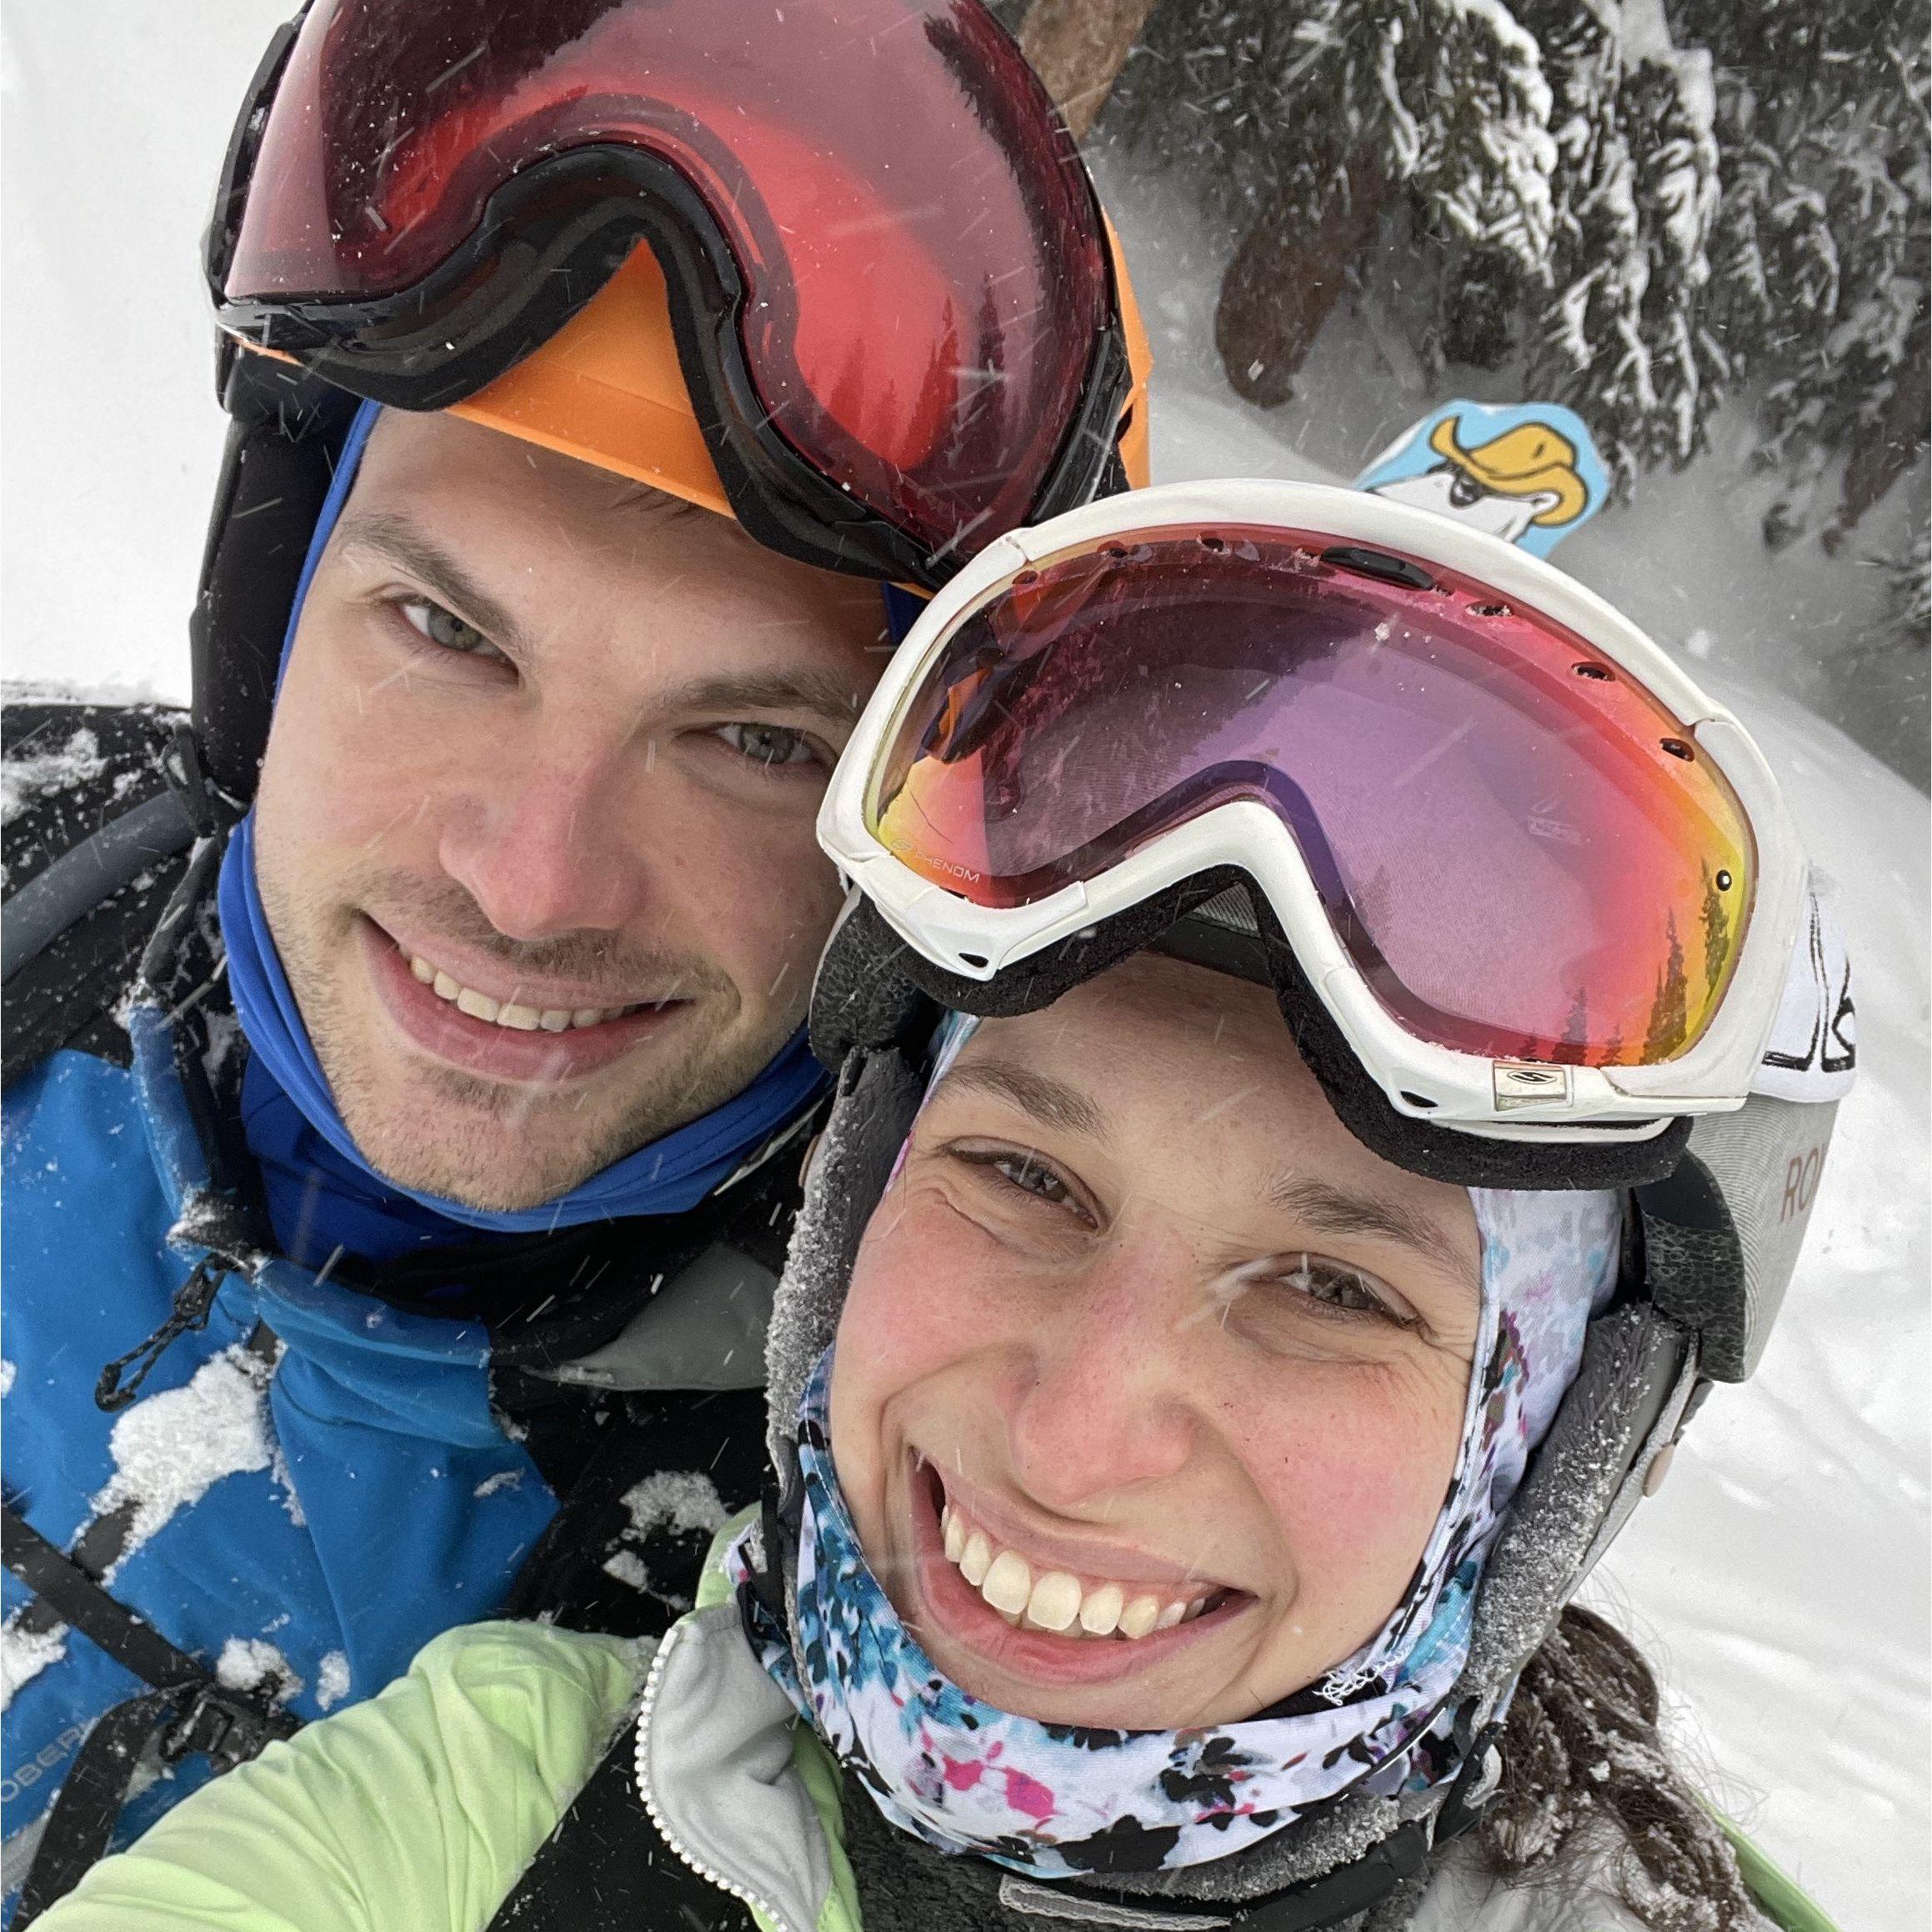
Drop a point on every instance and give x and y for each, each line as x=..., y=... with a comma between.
x=1191, y=1378
x=1147, y=1394
x=1229, y=1316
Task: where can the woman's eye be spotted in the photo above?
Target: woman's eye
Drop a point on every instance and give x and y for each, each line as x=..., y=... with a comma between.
x=1343, y=1290
x=770, y=745
x=445, y=628
x=1025, y=1172
x=1018, y=1170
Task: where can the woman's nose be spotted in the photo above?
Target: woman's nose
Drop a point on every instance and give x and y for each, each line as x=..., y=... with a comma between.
x=546, y=843
x=1099, y=1403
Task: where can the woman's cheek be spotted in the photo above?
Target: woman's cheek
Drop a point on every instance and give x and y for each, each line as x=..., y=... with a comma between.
x=1355, y=1470
x=916, y=1306
x=927, y=1287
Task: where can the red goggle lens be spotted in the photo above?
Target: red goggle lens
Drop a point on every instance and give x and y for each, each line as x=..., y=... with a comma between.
x=926, y=275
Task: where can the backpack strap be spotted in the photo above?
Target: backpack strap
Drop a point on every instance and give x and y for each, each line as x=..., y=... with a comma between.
x=73, y=933
x=94, y=870
x=187, y=1711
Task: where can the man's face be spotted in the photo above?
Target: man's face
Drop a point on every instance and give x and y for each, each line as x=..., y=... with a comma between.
x=534, y=827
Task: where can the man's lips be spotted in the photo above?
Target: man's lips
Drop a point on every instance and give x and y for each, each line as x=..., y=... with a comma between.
x=441, y=1029
x=958, y=1610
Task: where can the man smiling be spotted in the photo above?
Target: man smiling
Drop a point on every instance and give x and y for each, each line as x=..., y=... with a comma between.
x=574, y=902
x=407, y=1093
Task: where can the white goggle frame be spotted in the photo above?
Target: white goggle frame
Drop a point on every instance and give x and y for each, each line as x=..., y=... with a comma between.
x=1503, y=1099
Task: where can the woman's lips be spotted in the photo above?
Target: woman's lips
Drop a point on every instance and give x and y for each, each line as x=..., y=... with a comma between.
x=440, y=1028
x=958, y=1609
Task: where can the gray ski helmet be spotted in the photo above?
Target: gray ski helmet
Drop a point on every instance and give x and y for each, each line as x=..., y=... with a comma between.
x=1709, y=1251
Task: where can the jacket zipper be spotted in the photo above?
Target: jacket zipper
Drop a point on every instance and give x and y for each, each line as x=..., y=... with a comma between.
x=652, y=1683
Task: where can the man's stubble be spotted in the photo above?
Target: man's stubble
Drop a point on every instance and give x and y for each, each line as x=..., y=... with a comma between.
x=491, y=1144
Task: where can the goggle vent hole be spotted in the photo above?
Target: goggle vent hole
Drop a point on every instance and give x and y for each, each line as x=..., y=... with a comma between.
x=1601, y=672
x=1676, y=748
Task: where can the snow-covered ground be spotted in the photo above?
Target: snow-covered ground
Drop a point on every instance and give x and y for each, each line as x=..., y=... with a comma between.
x=1780, y=1579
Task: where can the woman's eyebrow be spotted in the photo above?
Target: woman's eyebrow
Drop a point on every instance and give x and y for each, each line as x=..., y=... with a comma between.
x=1051, y=1102
x=1332, y=1210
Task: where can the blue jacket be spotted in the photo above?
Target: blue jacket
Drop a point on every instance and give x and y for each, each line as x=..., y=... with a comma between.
x=341, y=1503
x=319, y=1481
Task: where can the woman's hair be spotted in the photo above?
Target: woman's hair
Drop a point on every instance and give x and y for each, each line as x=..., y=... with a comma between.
x=1584, y=1773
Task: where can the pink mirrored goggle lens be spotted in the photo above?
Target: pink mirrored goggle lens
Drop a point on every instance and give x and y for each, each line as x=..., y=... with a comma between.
x=1523, y=851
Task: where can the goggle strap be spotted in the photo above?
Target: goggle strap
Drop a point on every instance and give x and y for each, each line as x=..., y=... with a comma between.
x=867, y=996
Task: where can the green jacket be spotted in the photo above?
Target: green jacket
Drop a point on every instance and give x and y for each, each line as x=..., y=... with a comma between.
x=418, y=1810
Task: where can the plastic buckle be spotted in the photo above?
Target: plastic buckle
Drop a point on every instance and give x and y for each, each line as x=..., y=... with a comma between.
x=223, y=1726
x=1466, y=1802
x=205, y=1728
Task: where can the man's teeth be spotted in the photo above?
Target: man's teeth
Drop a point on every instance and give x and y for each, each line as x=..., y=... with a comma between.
x=1053, y=1599
x=507, y=1013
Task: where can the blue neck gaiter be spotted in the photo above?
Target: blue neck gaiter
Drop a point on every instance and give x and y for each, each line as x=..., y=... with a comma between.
x=323, y=1195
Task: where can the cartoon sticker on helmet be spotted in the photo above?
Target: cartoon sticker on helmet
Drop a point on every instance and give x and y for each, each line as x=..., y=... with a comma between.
x=1528, y=472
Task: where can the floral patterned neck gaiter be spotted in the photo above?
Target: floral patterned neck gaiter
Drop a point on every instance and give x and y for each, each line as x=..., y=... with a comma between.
x=1052, y=1800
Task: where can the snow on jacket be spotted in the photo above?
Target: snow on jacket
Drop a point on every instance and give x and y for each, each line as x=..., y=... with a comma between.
x=421, y=1810
x=317, y=1481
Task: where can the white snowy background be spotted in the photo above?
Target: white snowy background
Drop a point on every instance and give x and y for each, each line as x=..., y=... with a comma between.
x=1780, y=1579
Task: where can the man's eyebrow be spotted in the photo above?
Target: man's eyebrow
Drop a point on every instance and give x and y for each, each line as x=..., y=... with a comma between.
x=1051, y=1102
x=823, y=694
x=401, y=542
x=1332, y=1210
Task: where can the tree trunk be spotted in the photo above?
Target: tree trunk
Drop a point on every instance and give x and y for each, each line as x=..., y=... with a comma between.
x=1887, y=449
x=1285, y=277
x=1077, y=47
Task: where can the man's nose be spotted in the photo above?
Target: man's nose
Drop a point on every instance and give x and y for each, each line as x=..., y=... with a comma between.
x=546, y=842
x=1100, y=1403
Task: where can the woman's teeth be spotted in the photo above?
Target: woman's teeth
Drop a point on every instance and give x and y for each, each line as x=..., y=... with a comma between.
x=507, y=1013
x=1053, y=1599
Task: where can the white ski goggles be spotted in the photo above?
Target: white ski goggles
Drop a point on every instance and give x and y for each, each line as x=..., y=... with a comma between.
x=1545, y=887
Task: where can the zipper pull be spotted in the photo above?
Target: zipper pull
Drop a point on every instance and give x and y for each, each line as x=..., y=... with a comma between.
x=194, y=1301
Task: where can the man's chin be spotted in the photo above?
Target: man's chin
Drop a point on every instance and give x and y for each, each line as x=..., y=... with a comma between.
x=496, y=1147
x=493, y=1166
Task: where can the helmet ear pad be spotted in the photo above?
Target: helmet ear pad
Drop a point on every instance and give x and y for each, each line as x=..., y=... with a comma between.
x=878, y=1098
x=875, y=990
x=284, y=429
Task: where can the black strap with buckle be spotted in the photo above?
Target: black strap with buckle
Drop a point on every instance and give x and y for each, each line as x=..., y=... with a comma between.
x=187, y=1712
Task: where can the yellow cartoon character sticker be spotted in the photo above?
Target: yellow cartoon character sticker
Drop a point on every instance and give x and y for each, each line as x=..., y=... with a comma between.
x=1526, y=472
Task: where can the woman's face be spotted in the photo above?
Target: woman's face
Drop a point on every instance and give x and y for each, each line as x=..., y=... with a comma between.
x=1151, y=1377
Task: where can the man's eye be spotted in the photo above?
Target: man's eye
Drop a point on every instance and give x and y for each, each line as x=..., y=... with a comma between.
x=444, y=627
x=770, y=745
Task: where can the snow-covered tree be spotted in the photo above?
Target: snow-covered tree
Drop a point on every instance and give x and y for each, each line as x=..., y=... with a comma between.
x=1822, y=245
x=1307, y=121
x=1644, y=204
x=1890, y=668
x=1616, y=330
